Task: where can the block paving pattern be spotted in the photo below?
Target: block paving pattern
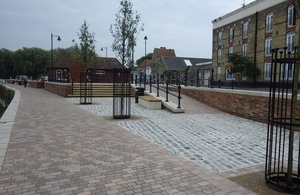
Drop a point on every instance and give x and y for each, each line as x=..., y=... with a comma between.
x=218, y=142
x=59, y=148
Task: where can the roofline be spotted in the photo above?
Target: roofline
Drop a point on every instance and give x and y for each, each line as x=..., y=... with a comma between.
x=246, y=10
x=204, y=63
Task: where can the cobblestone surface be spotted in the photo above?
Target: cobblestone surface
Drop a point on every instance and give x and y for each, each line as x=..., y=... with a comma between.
x=56, y=147
x=218, y=142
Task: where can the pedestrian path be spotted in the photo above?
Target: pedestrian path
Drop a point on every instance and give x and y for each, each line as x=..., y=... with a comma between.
x=218, y=142
x=58, y=146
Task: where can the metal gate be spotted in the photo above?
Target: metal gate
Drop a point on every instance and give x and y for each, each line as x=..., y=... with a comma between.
x=121, y=93
x=282, y=152
x=86, y=88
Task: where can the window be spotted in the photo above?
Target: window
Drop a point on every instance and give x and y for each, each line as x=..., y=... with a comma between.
x=268, y=47
x=219, y=55
x=267, y=71
x=245, y=29
x=290, y=42
x=219, y=38
x=100, y=72
x=231, y=35
x=230, y=49
x=269, y=22
x=229, y=75
x=245, y=50
x=286, y=71
x=291, y=17
x=58, y=74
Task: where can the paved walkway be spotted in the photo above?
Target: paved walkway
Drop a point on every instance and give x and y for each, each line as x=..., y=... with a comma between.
x=58, y=146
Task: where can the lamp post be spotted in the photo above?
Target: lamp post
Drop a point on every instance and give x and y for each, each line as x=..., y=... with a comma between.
x=59, y=39
x=105, y=50
x=145, y=38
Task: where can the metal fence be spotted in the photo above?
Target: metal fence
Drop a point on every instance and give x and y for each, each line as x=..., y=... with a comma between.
x=282, y=168
x=121, y=93
x=86, y=88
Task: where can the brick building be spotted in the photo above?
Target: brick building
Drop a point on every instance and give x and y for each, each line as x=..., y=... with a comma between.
x=67, y=68
x=253, y=30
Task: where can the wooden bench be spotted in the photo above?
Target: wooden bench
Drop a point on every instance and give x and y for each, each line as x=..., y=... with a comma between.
x=150, y=102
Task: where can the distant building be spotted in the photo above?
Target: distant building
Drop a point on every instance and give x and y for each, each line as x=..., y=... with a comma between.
x=165, y=65
x=253, y=30
x=67, y=68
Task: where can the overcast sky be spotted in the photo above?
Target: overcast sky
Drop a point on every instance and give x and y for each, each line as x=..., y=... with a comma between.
x=182, y=25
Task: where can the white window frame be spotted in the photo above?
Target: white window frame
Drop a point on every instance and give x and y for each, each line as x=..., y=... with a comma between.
x=231, y=35
x=269, y=22
x=58, y=75
x=100, y=72
x=245, y=50
x=267, y=71
x=219, y=55
x=291, y=16
x=245, y=29
x=229, y=75
x=290, y=42
x=286, y=71
x=219, y=38
x=268, y=46
x=230, y=49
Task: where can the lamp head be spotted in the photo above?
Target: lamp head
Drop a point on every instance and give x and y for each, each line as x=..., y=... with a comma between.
x=58, y=38
x=145, y=38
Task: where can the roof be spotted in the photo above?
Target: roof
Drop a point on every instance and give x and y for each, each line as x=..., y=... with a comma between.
x=162, y=51
x=244, y=11
x=149, y=62
x=181, y=63
x=67, y=60
x=108, y=63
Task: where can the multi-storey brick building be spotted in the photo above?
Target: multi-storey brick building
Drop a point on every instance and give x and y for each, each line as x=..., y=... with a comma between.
x=253, y=30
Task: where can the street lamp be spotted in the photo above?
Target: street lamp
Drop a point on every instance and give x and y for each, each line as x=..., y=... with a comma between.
x=145, y=38
x=59, y=39
x=105, y=50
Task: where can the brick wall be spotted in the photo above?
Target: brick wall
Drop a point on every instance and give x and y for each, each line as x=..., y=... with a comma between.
x=62, y=89
x=278, y=35
x=247, y=104
x=35, y=84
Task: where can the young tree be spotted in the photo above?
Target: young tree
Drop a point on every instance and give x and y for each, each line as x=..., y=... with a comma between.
x=124, y=32
x=243, y=66
x=86, y=51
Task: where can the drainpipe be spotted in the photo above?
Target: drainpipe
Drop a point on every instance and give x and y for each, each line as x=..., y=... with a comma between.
x=255, y=46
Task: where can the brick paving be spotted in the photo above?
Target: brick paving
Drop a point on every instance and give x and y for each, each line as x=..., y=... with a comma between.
x=59, y=148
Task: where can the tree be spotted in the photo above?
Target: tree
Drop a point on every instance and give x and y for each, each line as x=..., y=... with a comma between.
x=141, y=59
x=124, y=31
x=243, y=66
x=87, y=53
x=6, y=64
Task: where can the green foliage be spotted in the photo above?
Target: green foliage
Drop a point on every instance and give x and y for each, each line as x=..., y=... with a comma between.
x=6, y=95
x=87, y=46
x=124, y=32
x=140, y=60
x=26, y=61
x=243, y=66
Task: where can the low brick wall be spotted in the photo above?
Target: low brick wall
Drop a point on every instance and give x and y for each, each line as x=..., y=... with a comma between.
x=252, y=105
x=62, y=89
x=35, y=84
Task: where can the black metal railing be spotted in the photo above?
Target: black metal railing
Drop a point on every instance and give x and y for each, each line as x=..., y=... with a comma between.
x=160, y=87
x=282, y=167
